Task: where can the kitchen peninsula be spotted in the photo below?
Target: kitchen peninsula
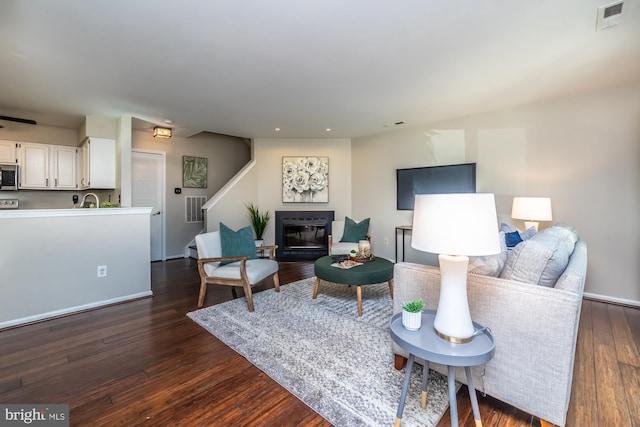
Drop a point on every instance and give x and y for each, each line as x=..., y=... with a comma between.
x=51, y=261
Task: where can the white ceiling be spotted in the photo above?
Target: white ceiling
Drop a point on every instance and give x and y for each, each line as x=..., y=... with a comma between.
x=244, y=67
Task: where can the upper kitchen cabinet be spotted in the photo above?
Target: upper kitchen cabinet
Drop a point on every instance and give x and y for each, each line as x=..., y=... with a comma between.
x=34, y=166
x=8, y=152
x=98, y=163
x=48, y=167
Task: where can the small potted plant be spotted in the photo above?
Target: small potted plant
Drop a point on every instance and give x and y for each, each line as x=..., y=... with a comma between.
x=412, y=314
x=259, y=221
x=353, y=253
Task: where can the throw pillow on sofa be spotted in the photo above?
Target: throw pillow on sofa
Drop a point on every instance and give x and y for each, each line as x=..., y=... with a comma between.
x=490, y=265
x=541, y=259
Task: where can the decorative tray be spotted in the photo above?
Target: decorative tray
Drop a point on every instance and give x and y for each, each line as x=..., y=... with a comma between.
x=361, y=259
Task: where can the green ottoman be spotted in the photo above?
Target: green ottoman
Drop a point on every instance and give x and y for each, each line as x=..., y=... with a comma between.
x=369, y=273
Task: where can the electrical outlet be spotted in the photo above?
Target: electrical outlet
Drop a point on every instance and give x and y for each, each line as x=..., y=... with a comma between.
x=102, y=271
x=386, y=241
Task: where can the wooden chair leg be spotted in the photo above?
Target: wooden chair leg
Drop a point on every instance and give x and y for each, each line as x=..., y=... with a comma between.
x=203, y=291
x=399, y=361
x=276, y=281
x=234, y=293
x=247, y=294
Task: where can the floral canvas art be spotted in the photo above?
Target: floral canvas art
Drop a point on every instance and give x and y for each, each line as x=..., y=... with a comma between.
x=305, y=179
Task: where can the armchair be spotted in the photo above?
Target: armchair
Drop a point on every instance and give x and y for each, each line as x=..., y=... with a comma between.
x=336, y=247
x=237, y=271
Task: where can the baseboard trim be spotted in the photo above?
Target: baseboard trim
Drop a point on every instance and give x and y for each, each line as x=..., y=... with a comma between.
x=611, y=300
x=71, y=310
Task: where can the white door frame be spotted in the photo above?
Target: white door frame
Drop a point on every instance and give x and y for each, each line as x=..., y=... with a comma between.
x=163, y=238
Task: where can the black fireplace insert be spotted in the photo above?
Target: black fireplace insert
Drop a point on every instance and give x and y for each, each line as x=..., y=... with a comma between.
x=302, y=235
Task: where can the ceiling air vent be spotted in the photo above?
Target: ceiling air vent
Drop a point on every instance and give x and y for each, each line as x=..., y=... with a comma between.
x=610, y=15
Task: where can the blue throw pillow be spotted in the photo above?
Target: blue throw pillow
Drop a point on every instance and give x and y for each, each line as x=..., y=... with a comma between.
x=355, y=231
x=512, y=239
x=237, y=243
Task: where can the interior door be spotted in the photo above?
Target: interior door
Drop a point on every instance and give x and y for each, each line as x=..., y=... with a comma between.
x=148, y=190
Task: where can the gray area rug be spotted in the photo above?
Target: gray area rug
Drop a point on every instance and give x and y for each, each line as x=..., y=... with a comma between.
x=319, y=350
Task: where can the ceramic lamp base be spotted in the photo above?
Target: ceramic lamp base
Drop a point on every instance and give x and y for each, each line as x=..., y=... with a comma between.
x=453, y=320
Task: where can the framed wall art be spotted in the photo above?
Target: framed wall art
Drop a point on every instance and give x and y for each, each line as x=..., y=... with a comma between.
x=305, y=179
x=194, y=172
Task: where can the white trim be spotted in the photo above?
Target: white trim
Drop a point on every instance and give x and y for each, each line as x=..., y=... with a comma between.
x=72, y=310
x=605, y=298
x=229, y=185
x=49, y=213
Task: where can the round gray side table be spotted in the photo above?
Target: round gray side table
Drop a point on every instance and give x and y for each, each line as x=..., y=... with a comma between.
x=425, y=344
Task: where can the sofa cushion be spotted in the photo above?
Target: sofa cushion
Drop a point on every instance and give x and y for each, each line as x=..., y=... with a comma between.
x=237, y=243
x=541, y=259
x=355, y=231
x=490, y=265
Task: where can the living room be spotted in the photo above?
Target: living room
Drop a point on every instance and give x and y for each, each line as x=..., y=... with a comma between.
x=548, y=115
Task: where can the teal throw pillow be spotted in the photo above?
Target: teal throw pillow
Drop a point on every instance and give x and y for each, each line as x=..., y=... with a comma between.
x=355, y=231
x=237, y=243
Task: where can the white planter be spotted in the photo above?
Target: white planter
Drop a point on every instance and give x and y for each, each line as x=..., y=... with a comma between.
x=411, y=321
x=259, y=242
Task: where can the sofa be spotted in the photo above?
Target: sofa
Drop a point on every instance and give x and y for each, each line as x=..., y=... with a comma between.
x=535, y=325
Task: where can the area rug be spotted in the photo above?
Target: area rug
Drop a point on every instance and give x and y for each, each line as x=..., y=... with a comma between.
x=338, y=364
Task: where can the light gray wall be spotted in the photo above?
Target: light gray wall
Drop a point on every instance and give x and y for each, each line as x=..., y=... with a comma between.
x=49, y=264
x=226, y=156
x=268, y=155
x=582, y=151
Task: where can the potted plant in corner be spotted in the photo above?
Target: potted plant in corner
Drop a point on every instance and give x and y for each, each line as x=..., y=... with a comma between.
x=259, y=221
x=412, y=314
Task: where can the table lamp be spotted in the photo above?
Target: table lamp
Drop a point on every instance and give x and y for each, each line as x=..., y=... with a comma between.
x=532, y=210
x=455, y=226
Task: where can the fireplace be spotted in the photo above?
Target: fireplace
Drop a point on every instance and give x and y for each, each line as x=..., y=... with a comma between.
x=302, y=235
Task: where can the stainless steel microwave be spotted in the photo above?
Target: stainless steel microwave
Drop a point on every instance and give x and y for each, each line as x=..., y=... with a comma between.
x=8, y=177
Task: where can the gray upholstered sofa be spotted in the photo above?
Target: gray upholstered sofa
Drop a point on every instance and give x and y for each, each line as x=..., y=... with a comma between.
x=535, y=327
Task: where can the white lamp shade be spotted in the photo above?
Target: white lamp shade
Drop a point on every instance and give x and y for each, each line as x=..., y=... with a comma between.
x=531, y=208
x=456, y=224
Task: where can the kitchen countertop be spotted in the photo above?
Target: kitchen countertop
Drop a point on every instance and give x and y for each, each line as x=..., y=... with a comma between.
x=46, y=213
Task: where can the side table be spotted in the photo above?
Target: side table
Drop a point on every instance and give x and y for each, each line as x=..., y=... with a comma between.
x=425, y=344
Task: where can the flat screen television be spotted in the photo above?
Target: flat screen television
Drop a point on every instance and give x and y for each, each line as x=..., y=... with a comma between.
x=459, y=178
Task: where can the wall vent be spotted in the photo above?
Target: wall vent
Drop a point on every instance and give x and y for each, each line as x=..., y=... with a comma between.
x=193, y=209
x=610, y=15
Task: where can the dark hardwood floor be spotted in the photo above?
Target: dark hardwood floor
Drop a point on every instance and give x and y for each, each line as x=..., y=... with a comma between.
x=145, y=362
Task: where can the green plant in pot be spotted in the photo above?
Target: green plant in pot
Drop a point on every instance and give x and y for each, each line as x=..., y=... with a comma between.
x=412, y=314
x=259, y=220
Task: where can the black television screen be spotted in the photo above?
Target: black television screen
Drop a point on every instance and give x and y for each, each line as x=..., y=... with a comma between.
x=434, y=180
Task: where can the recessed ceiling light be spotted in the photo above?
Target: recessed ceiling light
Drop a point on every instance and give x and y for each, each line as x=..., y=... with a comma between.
x=167, y=121
x=276, y=129
x=328, y=129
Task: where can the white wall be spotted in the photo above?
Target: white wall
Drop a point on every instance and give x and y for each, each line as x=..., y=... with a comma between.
x=582, y=151
x=49, y=264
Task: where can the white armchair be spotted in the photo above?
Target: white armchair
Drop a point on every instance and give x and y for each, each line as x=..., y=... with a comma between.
x=241, y=271
x=336, y=247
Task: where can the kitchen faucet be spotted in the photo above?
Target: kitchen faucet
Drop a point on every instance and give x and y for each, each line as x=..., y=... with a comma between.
x=94, y=196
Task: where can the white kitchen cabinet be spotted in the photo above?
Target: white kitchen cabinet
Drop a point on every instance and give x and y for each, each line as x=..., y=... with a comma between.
x=34, y=166
x=98, y=163
x=48, y=167
x=64, y=168
x=8, y=153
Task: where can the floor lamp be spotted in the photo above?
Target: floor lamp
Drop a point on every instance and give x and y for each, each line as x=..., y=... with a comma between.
x=455, y=226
